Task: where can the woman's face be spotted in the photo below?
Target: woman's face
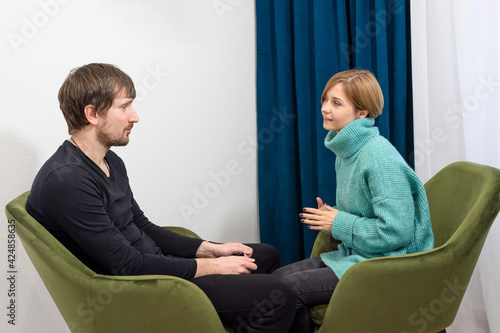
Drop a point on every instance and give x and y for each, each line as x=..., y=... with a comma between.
x=337, y=109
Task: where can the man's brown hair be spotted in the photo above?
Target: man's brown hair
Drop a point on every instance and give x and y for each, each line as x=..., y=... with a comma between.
x=93, y=84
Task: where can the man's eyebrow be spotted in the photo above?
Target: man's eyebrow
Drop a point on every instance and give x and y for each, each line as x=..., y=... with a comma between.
x=124, y=101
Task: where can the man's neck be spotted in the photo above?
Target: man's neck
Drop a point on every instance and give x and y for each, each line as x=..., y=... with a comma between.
x=90, y=146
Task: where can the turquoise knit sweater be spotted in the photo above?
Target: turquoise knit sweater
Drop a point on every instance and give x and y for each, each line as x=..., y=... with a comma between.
x=382, y=203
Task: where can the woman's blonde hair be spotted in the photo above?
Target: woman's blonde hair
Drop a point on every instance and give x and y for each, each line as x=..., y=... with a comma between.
x=362, y=89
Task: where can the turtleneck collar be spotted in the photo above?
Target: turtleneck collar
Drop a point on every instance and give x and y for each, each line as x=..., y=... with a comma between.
x=352, y=137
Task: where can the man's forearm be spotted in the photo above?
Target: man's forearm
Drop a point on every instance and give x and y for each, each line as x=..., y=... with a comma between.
x=205, y=266
x=206, y=250
x=225, y=265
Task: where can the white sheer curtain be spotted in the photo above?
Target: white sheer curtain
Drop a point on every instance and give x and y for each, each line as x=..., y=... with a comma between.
x=456, y=93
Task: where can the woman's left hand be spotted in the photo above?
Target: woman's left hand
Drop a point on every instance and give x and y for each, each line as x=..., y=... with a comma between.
x=319, y=219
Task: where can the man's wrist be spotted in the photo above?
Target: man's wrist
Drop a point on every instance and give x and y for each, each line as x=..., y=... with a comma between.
x=206, y=250
x=205, y=266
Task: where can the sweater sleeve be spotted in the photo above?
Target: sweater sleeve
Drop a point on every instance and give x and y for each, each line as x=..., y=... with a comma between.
x=391, y=226
x=80, y=212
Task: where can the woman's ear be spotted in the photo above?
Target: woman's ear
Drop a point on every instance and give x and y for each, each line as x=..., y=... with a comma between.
x=91, y=114
x=362, y=113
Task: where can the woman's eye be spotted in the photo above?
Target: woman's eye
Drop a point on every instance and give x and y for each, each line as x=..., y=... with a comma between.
x=336, y=103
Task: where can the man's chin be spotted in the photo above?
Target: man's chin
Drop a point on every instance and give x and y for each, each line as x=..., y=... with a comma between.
x=121, y=143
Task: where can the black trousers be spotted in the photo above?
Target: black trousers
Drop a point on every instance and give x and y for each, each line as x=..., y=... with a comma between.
x=257, y=302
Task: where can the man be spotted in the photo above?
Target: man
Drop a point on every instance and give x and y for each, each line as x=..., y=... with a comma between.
x=82, y=196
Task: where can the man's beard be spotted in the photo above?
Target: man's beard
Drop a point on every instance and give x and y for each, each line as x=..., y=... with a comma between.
x=107, y=141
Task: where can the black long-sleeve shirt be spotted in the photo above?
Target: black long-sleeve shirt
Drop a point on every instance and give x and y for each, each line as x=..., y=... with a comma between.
x=98, y=220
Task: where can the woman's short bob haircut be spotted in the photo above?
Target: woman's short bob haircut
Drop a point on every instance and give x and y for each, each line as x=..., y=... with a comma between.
x=362, y=89
x=93, y=84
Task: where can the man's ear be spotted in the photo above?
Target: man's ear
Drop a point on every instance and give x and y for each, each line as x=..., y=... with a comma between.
x=91, y=114
x=362, y=113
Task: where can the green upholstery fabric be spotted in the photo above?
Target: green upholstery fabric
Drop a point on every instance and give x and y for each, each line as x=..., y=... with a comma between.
x=419, y=292
x=94, y=303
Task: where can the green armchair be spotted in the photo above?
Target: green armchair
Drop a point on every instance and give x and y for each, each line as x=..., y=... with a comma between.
x=94, y=303
x=418, y=292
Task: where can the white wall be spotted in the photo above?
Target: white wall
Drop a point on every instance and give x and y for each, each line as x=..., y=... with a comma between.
x=193, y=63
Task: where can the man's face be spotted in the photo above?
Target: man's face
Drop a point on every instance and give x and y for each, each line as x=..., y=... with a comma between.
x=115, y=127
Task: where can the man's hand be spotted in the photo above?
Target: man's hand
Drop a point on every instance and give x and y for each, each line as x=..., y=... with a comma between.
x=225, y=265
x=321, y=218
x=211, y=250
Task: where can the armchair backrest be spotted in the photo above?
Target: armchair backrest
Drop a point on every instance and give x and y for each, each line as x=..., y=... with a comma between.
x=66, y=278
x=463, y=197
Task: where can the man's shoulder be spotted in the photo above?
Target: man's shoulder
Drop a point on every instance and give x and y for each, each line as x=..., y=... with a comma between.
x=56, y=178
x=63, y=158
x=64, y=169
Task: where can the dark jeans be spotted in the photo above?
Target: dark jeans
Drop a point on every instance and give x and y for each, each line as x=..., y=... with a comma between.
x=314, y=283
x=257, y=302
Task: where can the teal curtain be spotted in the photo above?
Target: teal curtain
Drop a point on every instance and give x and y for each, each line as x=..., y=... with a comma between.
x=300, y=45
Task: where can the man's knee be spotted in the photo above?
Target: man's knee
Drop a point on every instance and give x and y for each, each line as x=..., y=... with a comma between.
x=267, y=257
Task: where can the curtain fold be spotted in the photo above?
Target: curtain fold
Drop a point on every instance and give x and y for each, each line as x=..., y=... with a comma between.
x=300, y=45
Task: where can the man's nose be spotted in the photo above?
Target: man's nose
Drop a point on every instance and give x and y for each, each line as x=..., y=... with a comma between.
x=134, y=117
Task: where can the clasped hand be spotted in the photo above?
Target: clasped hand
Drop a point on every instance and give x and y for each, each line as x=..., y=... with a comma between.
x=320, y=218
x=214, y=250
x=228, y=258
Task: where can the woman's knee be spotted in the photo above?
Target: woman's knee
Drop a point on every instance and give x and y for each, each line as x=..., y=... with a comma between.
x=282, y=295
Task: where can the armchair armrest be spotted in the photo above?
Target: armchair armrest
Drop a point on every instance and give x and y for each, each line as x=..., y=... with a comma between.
x=183, y=231
x=408, y=283
x=148, y=304
x=324, y=243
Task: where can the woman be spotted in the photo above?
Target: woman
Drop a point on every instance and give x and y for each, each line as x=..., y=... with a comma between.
x=382, y=207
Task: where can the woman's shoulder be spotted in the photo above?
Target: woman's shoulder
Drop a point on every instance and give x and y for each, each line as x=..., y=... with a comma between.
x=380, y=156
x=380, y=148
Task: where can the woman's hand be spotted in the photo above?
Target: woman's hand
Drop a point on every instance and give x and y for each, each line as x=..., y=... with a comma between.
x=319, y=219
x=321, y=206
